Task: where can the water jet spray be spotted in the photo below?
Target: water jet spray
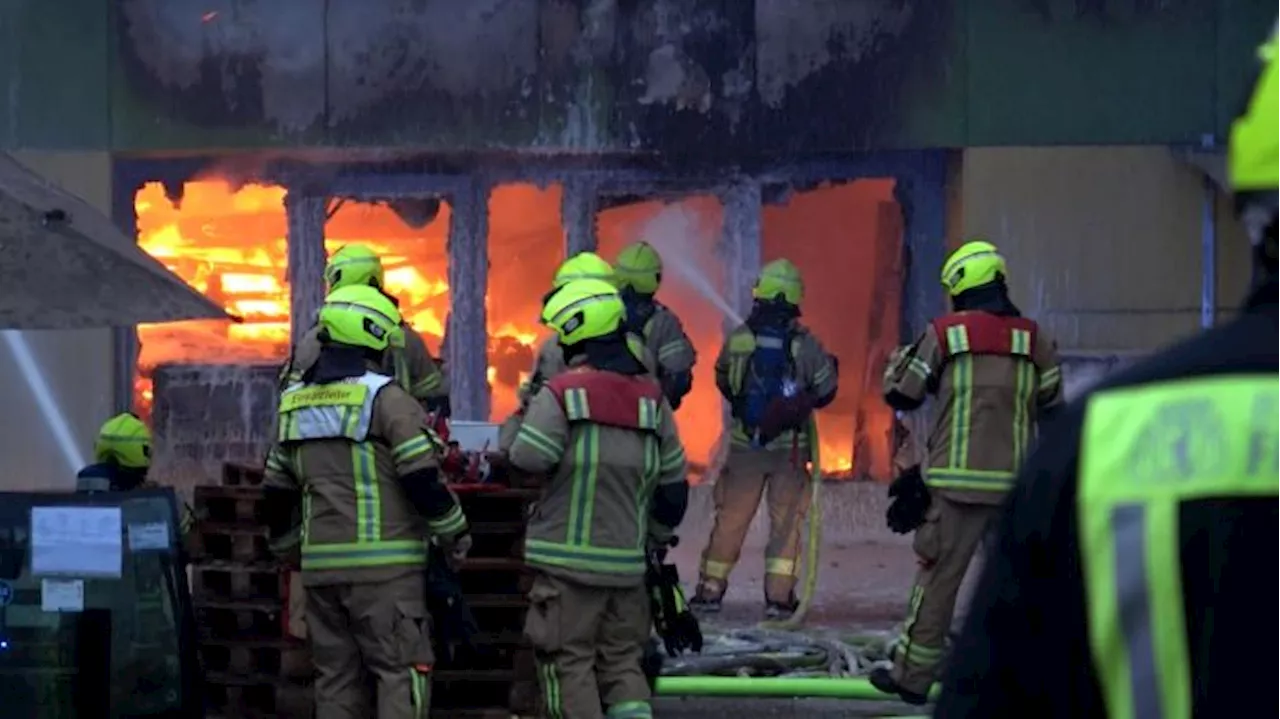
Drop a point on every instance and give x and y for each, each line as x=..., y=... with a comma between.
x=44, y=399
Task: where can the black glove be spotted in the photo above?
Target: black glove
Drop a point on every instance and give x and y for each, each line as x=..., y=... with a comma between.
x=911, y=500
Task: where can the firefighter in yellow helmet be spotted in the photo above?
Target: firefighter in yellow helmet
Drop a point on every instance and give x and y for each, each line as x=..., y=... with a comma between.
x=993, y=373
x=639, y=274
x=122, y=457
x=550, y=361
x=606, y=437
x=356, y=460
x=1133, y=574
x=408, y=361
x=774, y=373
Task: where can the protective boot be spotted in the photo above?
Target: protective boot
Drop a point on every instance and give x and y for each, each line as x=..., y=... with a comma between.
x=709, y=597
x=882, y=679
x=776, y=611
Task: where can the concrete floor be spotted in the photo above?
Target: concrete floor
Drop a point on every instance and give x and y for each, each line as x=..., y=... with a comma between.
x=865, y=574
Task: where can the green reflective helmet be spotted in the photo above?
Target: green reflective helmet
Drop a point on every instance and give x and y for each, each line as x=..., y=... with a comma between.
x=353, y=265
x=639, y=267
x=360, y=316
x=583, y=310
x=124, y=440
x=583, y=266
x=779, y=279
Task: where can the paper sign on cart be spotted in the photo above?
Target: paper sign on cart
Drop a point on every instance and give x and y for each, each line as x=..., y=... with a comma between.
x=62, y=595
x=76, y=541
x=148, y=535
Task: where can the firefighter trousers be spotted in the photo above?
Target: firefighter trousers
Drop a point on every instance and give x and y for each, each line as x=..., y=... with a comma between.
x=779, y=476
x=944, y=546
x=377, y=630
x=589, y=642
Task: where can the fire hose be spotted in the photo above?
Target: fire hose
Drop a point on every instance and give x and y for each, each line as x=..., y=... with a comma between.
x=775, y=687
x=813, y=537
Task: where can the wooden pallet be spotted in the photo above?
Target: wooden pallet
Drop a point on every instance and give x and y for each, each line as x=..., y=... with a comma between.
x=256, y=697
x=241, y=475
x=239, y=620
x=233, y=581
x=230, y=542
x=231, y=505
x=284, y=658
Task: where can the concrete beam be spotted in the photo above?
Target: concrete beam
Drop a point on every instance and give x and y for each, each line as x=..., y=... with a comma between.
x=466, y=351
x=306, y=217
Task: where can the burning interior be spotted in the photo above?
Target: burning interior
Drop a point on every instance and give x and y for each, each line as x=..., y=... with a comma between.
x=229, y=242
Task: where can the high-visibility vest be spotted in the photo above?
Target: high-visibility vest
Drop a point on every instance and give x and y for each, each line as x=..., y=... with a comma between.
x=344, y=410
x=1144, y=451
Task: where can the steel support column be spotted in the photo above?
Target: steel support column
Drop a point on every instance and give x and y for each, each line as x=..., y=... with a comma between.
x=579, y=205
x=306, y=256
x=741, y=244
x=466, y=355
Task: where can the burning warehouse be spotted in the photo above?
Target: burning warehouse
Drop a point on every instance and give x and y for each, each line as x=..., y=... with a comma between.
x=236, y=243
x=475, y=145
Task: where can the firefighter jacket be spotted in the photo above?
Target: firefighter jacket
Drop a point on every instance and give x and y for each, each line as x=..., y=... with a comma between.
x=549, y=364
x=412, y=365
x=607, y=441
x=348, y=445
x=993, y=377
x=1133, y=574
x=811, y=368
x=675, y=356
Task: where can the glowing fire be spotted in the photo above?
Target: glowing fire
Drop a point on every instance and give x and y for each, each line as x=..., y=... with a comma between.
x=229, y=243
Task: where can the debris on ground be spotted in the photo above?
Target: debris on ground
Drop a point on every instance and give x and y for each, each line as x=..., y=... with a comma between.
x=754, y=652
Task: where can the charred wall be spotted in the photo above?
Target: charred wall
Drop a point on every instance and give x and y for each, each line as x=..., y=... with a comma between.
x=696, y=79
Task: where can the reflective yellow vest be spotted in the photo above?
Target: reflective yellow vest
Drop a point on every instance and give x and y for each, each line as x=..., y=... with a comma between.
x=1145, y=450
x=344, y=410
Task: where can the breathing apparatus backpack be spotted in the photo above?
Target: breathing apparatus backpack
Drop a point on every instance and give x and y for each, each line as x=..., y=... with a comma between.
x=770, y=377
x=640, y=309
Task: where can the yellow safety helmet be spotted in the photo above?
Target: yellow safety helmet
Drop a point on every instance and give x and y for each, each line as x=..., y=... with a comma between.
x=1253, y=150
x=583, y=310
x=360, y=316
x=353, y=265
x=779, y=278
x=975, y=264
x=639, y=267
x=583, y=266
x=124, y=440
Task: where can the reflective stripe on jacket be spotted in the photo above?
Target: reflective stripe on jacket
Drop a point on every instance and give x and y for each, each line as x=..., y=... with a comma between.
x=366, y=520
x=1145, y=451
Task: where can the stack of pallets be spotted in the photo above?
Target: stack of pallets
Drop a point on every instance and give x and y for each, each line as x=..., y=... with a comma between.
x=253, y=668
x=240, y=591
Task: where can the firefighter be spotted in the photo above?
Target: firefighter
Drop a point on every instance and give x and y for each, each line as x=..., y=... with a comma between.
x=639, y=274
x=122, y=452
x=355, y=457
x=409, y=362
x=605, y=437
x=549, y=361
x=1133, y=573
x=774, y=373
x=993, y=372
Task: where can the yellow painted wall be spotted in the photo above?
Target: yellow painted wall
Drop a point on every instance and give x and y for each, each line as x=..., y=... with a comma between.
x=77, y=365
x=1103, y=243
